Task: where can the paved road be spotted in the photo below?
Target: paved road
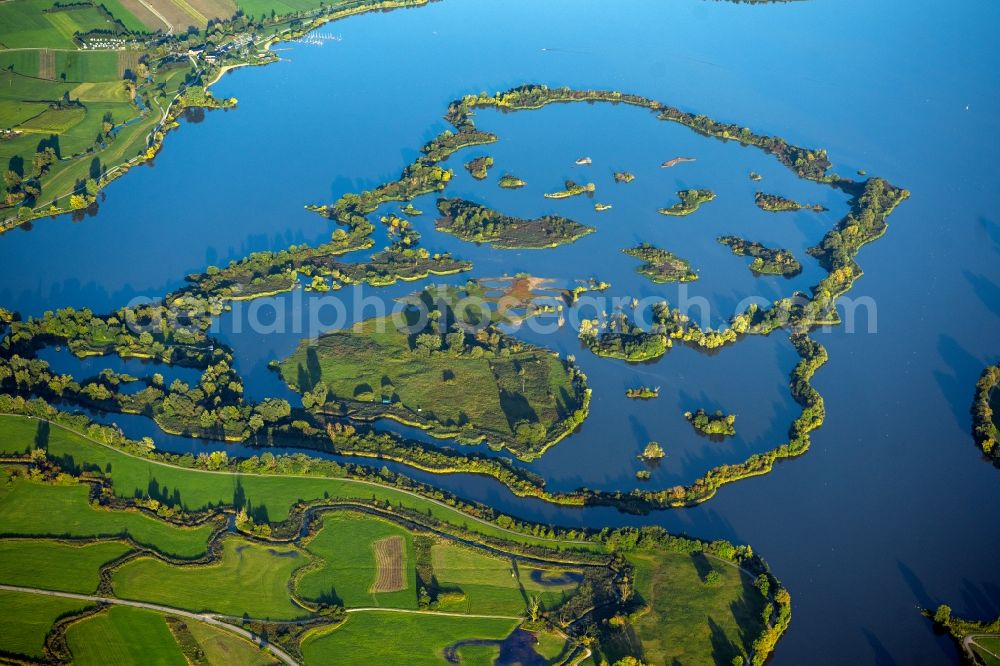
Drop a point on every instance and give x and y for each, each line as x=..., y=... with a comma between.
x=201, y=617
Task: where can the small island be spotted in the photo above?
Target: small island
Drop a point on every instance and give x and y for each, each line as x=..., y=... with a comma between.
x=754, y=176
x=653, y=451
x=775, y=203
x=985, y=411
x=766, y=260
x=410, y=210
x=661, y=266
x=690, y=201
x=643, y=393
x=509, y=182
x=601, y=207
x=717, y=424
x=479, y=167
x=572, y=189
x=624, y=177
x=473, y=222
x=624, y=340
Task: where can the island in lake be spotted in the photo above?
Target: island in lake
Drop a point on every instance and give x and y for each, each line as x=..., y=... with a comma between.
x=690, y=201
x=766, y=260
x=660, y=265
x=473, y=222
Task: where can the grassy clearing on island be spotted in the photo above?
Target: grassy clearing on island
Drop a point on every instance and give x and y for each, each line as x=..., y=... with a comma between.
x=31, y=508
x=345, y=543
x=195, y=490
x=374, y=362
x=123, y=635
x=384, y=637
x=252, y=578
x=474, y=582
x=54, y=565
x=27, y=619
x=692, y=621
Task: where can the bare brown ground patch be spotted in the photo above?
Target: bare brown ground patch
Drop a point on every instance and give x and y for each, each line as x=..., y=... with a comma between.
x=220, y=9
x=141, y=12
x=389, y=556
x=47, y=64
x=175, y=14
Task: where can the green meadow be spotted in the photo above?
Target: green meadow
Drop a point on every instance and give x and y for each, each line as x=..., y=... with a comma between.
x=27, y=618
x=251, y=579
x=30, y=508
x=55, y=565
x=384, y=637
x=345, y=544
x=269, y=496
x=489, y=585
x=124, y=635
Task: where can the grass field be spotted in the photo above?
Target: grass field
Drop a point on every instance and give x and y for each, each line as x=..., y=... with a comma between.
x=87, y=66
x=135, y=17
x=222, y=648
x=690, y=622
x=345, y=545
x=27, y=25
x=490, y=584
x=27, y=618
x=53, y=565
x=373, y=361
x=123, y=635
x=106, y=91
x=252, y=578
x=29, y=508
x=195, y=489
x=259, y=8
x=384, y=637
x=22, y=62
x=54, y=121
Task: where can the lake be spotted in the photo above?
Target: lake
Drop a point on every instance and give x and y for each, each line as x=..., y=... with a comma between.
x=893, y=507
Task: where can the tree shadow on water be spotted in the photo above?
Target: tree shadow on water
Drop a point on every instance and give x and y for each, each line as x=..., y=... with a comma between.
x=958, y=384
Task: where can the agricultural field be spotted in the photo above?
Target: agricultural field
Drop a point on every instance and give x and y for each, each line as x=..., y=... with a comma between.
x=123, y=635
x=31, y=508
x=222, y=648
x=250, y=579
x=27, y=24
x=385, y=637
x=260, y=8
x=56, y=565
x=351, y=569
x=27, y=619
x=271, y=495
x=353, y=575
x=477, y=583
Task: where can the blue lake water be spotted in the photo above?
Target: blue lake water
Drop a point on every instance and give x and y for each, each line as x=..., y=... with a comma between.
x=892, y=508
